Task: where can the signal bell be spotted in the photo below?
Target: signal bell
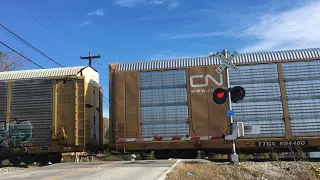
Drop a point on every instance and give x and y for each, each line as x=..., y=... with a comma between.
x=220, y=95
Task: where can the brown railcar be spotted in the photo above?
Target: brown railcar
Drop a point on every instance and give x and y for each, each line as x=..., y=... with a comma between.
x=167, y=106
x=46, y=112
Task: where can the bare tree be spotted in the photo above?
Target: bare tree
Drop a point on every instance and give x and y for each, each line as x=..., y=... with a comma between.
x=106, y=130
x=10, y=61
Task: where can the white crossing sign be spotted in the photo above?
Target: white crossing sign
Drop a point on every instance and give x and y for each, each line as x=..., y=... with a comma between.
x=226, y=62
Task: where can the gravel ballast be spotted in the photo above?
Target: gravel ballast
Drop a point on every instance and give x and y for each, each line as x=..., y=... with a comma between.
x=4, y=170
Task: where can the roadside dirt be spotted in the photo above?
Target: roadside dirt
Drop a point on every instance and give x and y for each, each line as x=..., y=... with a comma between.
x=246, y=170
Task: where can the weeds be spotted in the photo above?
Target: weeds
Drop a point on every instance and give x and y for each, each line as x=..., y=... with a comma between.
x=244, y=157
x=299, y=168
x=251, y=170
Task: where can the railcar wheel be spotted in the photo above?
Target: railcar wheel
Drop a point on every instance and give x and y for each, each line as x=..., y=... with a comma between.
x=161, y=154
x=174, y=153
x=189, y=154
x=28, y=159
x=15, y=160
x=194, y=154
x=43, y=159
x=55, y=158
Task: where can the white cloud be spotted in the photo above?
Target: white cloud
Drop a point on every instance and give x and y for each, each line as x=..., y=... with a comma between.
x=129, y=3
x=85, y=23
x=172, y=55
x=134, y=3
x=227, y=32
x=174, y=4
x=292, y=29
x=147, y=18
x=191, y=35
x=157, y=2
x=98, y=12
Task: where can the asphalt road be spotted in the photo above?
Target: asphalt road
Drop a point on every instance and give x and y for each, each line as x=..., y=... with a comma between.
x=113, y=170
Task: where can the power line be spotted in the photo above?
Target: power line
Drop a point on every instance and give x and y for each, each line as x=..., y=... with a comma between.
x=33, y=46
x=47, y=15
x=55, y=22
x=106, y=100
x=36, y=20
x=105, y=103
x=42, y=67
x=25, y=42
x=21, y=55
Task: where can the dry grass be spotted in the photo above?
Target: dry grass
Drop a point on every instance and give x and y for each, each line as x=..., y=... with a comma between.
x=245, y=170
x=195, y=171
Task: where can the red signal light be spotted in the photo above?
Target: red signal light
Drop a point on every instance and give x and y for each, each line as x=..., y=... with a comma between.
x=220, y=95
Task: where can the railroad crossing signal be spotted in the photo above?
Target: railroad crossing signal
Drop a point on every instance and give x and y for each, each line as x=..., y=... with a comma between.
x=235, y=94
x=220, y=95
x=226, y=62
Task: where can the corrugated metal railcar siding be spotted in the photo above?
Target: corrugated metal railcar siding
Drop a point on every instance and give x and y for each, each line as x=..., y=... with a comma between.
x=41, y=73
x=163, y=99
x=260, y=57
x=261, y=109
x=31, y=112
x=302, y=80
x=3, y=107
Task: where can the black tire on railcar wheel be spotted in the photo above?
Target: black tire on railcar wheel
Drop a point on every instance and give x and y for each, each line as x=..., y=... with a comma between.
x=55, y=158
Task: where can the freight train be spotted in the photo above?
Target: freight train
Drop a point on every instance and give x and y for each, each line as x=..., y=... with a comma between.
x=169, y=107
x=164, y=106
x=46, y=112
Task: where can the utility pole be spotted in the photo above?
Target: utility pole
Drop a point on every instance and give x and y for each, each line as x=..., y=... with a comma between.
x=90, y=57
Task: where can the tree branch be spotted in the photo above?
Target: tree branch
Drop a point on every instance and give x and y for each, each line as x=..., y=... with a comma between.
x=10, y=61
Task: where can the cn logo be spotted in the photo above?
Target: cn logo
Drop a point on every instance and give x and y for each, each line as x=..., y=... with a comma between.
x=207, y=78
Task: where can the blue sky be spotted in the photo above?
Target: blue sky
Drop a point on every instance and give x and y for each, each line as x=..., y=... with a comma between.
x=132, y=30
